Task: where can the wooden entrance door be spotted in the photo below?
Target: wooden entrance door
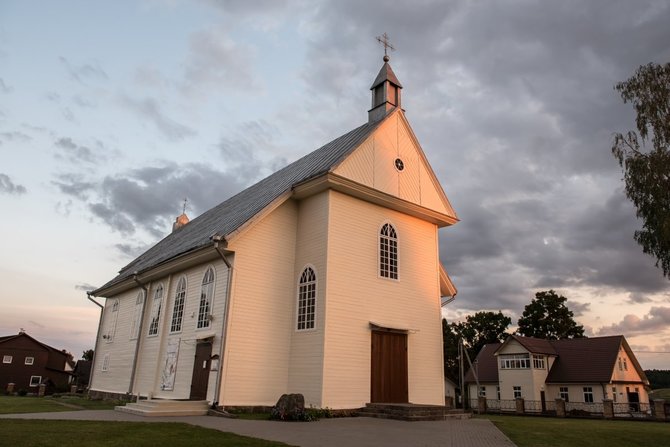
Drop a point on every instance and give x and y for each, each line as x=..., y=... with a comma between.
x=201, y=366
x=389, y=368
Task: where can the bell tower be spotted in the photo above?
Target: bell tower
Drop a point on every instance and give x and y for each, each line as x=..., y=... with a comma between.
x=386, y=88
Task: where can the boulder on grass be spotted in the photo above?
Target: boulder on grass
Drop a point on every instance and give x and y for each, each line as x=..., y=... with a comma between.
x=289, y=407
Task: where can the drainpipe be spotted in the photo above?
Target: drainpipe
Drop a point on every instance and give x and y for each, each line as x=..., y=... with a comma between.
x=97, y=336
x=218, y=239
x=139, y=333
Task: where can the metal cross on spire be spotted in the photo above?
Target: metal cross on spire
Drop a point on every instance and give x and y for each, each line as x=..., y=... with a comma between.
x=184, y=208
x=384, y=40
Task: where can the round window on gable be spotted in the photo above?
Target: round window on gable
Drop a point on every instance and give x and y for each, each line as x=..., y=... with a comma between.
x=399, y=165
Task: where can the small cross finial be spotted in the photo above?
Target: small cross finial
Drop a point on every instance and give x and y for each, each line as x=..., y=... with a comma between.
x=384, y=40
x=184, y=208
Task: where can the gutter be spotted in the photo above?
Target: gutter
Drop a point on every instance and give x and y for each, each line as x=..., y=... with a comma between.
x=139, y=333
x=217, y=240
x=97, y=337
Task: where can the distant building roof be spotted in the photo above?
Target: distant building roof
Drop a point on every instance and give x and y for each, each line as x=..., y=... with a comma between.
x=578, y=360
x=486, y=365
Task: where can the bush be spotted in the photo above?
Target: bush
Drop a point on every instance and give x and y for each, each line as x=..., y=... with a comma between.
x=296, y=415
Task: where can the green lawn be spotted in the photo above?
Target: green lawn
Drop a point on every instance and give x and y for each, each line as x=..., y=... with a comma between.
x=559, y=432
x=661, y=393
x=31, y=404
x=29, y=433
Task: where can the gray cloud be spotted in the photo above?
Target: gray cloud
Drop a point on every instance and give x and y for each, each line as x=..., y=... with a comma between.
x=148, y=108
x=657, y=320
x=91, y=71
x=4, y=88
x=77, y=153
x=217, y=61
x=131, y=251
x=84, y=287
x=14, y=136
x=150, y=198
x=7, y=186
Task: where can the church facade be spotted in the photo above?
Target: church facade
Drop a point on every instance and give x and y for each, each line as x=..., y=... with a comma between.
x=323, y=279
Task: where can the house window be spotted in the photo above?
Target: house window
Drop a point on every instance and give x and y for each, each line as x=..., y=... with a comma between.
x=498, y=392
x=588, y=394
x=206, y=292
x=482, y=391
x=515, y=361
x=517, y=392
x=137, y=316
x=563, y=393
x=625, y=364
x=156, y=310
x=538, y=361
x=178, y=310
x=111, y=322
x=105, y=363
x=614, y=393
x=620, y=364
x=35, y=381
x=29, y=361
x=307, y=300
x=7, y=359
x=388, y=252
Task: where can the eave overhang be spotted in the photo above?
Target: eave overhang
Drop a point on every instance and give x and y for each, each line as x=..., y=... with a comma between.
x=354, y=189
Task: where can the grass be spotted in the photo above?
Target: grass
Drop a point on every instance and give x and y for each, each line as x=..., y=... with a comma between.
x=559, y=432
x=661, y=393
x=31, y=404
x=33, y=433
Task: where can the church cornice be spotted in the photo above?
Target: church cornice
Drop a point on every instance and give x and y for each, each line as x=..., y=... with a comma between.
x=363, y=192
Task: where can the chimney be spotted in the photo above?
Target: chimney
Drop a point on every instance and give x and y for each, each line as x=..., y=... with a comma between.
x=179, y=222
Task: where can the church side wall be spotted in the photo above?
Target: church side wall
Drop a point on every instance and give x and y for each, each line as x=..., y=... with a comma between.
x=306, y=362
x=260, y=325
x=119, y=351
x=357, y=295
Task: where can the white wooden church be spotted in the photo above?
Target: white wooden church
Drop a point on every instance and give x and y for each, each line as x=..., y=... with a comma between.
x=322, y=279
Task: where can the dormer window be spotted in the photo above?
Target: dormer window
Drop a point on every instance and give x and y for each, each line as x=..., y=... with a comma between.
x=515, y=361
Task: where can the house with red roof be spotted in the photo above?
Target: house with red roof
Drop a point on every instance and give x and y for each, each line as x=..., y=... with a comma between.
x=584, y=370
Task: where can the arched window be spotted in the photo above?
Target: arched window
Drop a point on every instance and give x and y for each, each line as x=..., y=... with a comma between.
x=111, y=322
x=307, y=299
x=206, y=294
x=156, y=310
x=388, y=252
x=137, y=316
x=178, y=309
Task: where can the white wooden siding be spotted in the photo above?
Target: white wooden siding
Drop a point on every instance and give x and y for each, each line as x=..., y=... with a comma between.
x=358, y=296
x=262, y=312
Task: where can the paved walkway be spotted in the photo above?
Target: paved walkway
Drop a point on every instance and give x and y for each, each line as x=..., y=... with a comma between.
x=350, y=432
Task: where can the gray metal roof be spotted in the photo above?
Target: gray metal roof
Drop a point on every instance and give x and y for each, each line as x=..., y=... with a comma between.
x=230, y=215
x=386, y=74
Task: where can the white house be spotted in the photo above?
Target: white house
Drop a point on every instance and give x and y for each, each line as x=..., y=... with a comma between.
x=322, y=279
x=585, y=370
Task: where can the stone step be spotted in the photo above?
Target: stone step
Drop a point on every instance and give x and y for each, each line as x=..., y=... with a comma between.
x=411, y=412
x=161, y=407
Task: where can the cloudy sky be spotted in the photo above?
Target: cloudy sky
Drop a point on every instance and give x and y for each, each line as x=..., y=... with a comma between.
x=111, y=113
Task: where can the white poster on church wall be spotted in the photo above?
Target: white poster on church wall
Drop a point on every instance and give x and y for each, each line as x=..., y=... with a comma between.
x=170, y=368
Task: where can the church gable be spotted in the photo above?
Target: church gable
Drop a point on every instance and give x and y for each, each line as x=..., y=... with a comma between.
x=390, y=160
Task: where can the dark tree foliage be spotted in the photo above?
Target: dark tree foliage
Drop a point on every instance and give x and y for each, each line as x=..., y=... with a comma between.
x=548, y=317
x=647, y=170
x=658, y=378
x=87, y=355
x=476, y=331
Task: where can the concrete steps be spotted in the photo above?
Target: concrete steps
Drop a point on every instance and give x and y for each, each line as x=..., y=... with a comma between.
x=411, y=412
x=163, y=407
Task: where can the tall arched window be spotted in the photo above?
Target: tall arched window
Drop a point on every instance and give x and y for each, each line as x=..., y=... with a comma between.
x=388, y=252
x=111, y=322
x=307, y=299
x=206, y=293
x=137, y=315
x=178, y=309
x=156, y=310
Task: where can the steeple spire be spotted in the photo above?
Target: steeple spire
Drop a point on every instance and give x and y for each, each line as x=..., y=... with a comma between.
x=386, y=87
